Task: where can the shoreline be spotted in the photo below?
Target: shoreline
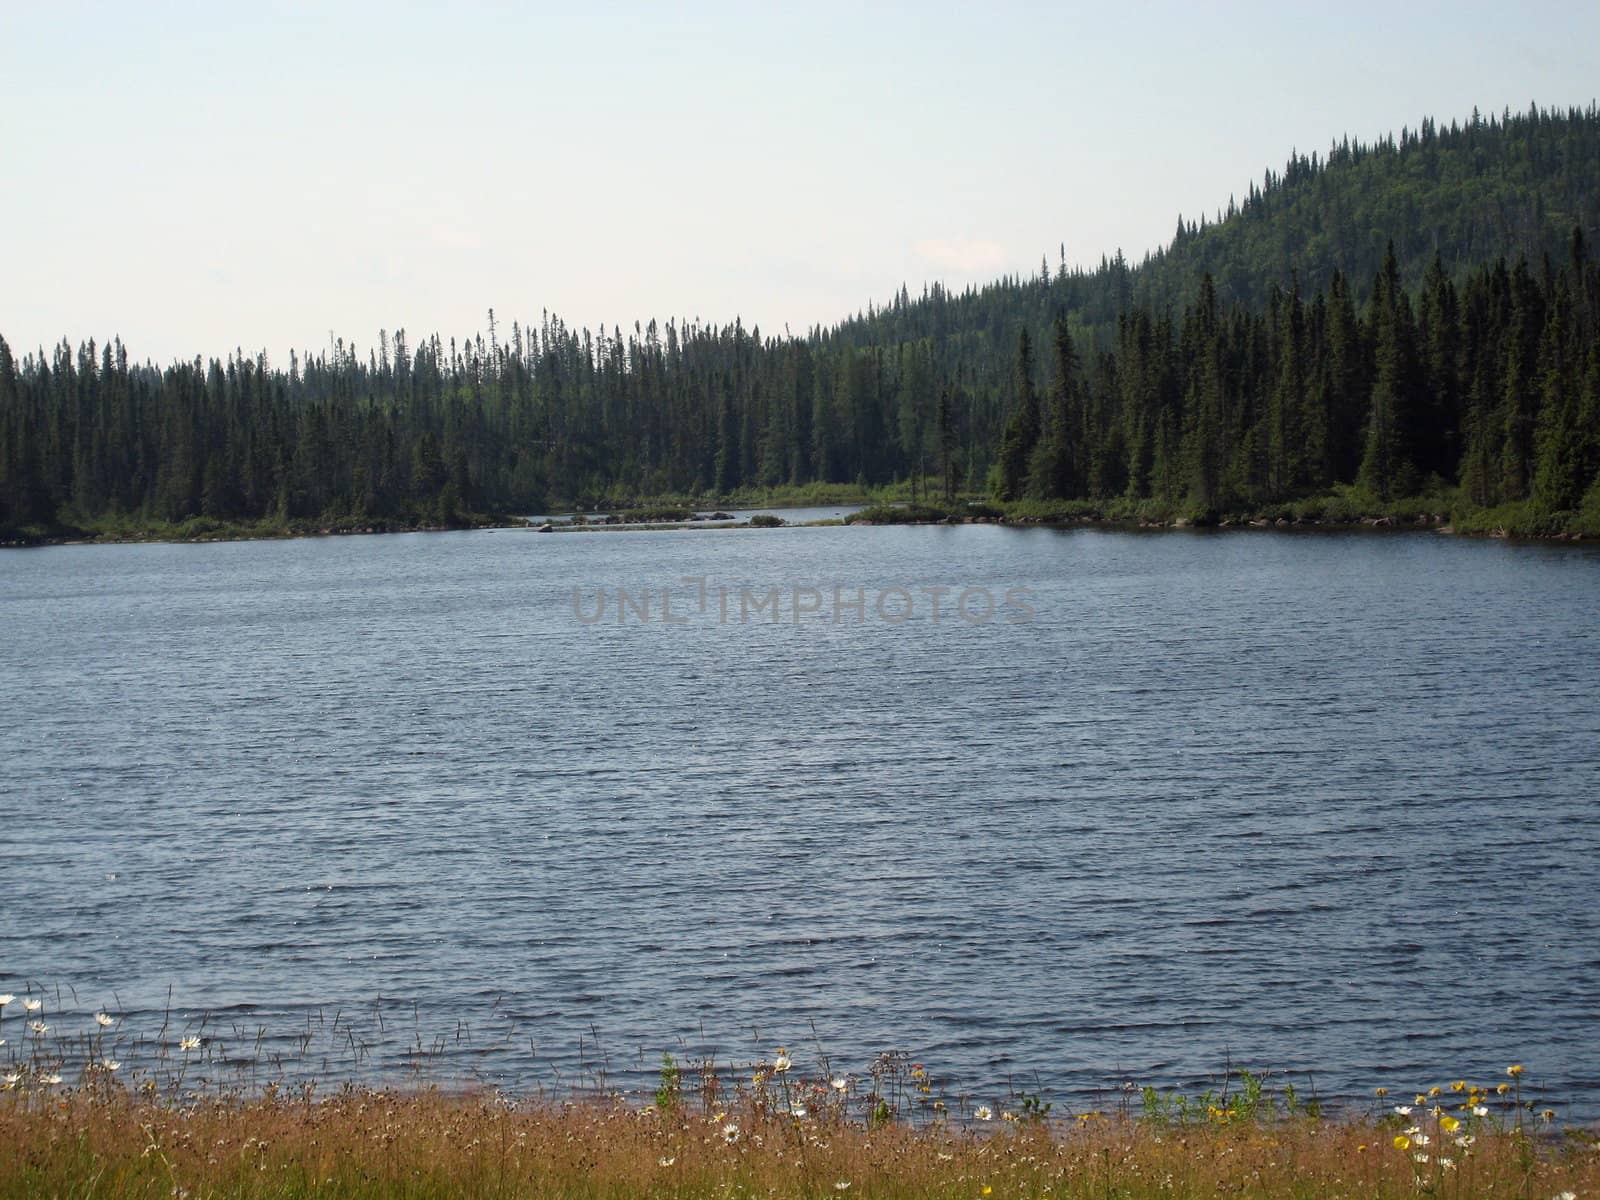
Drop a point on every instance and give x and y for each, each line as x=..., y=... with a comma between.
x=1374, y=525
x=1410, y=518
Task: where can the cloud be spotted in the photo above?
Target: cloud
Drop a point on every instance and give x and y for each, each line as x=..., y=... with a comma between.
x=962, y=254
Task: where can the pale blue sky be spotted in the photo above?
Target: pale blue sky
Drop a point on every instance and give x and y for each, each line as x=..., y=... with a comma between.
x=196, y=176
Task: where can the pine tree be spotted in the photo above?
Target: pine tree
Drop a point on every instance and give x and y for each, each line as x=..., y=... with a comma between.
x=1387, y=469
x=1022, y=428
x=824, y=428
x=1204, y=441
x=945, y=436
x=726, y=476
x=1520, y=405
x=1287, y=448
x=1558, y=476
x=1346, y=384
x=1052, y=470
x=1438, y=443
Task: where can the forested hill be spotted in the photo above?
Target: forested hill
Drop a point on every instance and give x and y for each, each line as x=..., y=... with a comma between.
x=1512, y=186
x=1281, y=355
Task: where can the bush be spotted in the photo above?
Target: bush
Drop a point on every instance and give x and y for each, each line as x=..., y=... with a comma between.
x=644, y=516
x=1049, y=512
x=765, y=521
x=899, y=514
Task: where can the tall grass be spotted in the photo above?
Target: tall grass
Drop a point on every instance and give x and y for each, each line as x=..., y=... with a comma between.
x=163, y=1121
x=96, y=1142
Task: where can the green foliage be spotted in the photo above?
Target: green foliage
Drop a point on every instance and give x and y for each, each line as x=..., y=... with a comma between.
x=899, y=514
x=644, y=516
x=1035, y=1108
x=1249, y=1104
x=1021, y=435
x=669, y=1091
x=766, y=521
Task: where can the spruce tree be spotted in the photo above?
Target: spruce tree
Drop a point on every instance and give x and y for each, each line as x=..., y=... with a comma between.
x=1558, y=474
x=1346, y=384
x=945, y=435
x=1052, y=469
x=1287, y=450
x=1387, y=469
x=1520, y=404
x=1022, y=427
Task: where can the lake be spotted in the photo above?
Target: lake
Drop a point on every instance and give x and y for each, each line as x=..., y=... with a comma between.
x=1132, y=807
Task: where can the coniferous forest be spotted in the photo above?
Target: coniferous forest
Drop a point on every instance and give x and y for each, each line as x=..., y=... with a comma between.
x=1415, y=320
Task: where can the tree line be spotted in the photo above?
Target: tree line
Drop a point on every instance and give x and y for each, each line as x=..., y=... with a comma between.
x=1196, y=389
x=1492, y=386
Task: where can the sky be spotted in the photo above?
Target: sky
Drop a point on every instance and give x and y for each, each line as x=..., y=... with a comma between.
x=200, y=177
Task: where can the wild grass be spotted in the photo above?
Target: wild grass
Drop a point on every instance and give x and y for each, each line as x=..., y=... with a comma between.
x=785, y=1139
x=124, y=527
x=162, y=1121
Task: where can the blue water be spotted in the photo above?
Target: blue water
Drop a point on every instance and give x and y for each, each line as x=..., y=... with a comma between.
x=1308, y=803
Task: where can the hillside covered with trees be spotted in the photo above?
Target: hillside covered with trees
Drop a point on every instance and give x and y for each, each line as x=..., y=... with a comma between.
x=1418, y=317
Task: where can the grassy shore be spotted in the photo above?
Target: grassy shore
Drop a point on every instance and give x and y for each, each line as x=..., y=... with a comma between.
x=774, y=1140
x=113, y=530
x=1444, y=510
x=1344, y=508
x=180, y=1106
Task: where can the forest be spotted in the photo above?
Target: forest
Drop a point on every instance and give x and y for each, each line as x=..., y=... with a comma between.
x=1409, y=324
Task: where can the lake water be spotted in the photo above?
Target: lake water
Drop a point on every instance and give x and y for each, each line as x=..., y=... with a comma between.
x=1322, y=804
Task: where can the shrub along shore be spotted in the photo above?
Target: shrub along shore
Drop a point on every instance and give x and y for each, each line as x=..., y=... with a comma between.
x=1444, y=511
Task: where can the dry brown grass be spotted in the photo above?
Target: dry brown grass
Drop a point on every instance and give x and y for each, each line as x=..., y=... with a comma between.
x=90, y=1107
x=95, y=1142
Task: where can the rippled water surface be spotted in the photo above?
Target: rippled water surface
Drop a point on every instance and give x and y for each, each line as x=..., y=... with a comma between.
x=1314, y=803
